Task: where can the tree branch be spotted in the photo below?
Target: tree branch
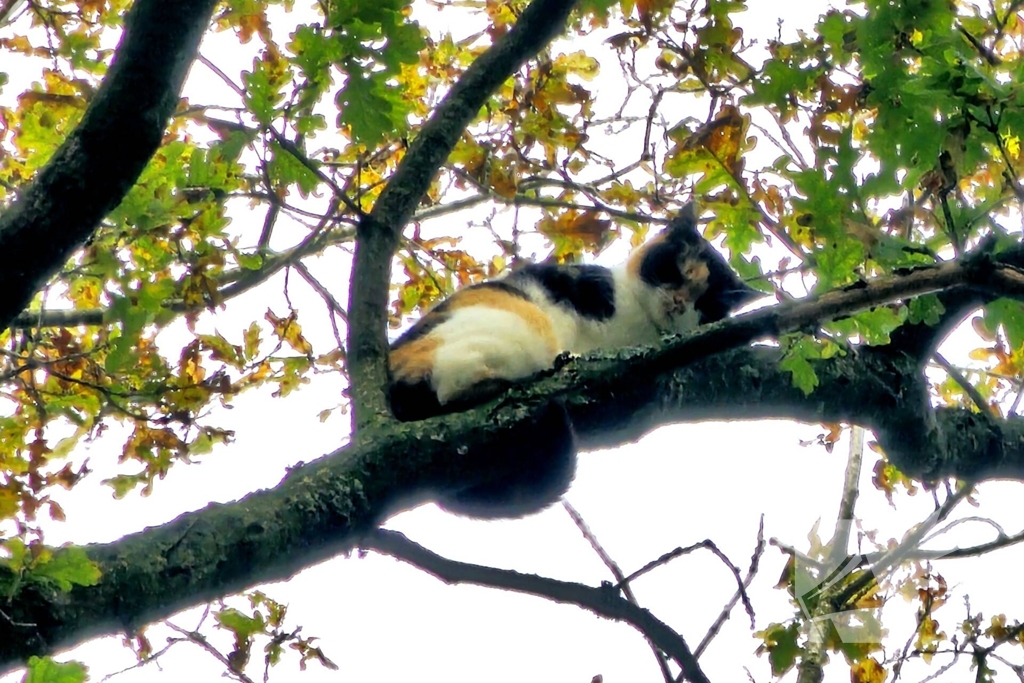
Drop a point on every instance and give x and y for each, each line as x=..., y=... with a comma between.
x=325, y=507
x=379, y=232
x=234, y=283
x=102, y=158
x=621, y=584
x=605, y=602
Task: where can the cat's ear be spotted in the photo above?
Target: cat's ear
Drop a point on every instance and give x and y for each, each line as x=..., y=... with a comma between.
x=689, y=212
x=684, y=224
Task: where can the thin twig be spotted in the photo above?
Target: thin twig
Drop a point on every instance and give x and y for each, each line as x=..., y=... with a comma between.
x=969, y=389
x=200, y=640
x=613, y=567
x=332, y=304
x=740, y=594
x=706, y=544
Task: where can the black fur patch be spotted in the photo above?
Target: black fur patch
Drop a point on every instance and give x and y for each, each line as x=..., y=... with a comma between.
x=587, y=289
x=726, y=291
x=659, y=266
x=413, y=400
x=544, y=461
x=717, y=305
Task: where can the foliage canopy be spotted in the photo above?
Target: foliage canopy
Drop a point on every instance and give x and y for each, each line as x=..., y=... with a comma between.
x=862, y=170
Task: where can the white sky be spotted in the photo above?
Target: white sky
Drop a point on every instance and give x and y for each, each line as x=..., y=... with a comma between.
x=383, y=621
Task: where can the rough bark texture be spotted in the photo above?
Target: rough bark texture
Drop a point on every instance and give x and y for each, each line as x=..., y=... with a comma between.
x=326, y=507
x=378, y=232
x=102, y=158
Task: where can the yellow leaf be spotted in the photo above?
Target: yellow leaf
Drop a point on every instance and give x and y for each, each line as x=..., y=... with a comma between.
x=289, y=331
x=981, y=354
x=1012, y=144
x=8, y=503
x=723, y=138
x=867, y=671
x=581, y=64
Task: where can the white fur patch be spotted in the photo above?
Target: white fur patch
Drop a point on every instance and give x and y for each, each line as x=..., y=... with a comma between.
x=481, y=342
x=640, y=318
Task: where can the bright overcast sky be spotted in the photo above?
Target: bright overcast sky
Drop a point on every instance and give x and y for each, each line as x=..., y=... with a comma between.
x=383, y=621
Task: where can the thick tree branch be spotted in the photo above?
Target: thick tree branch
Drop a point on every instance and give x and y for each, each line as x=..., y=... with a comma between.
x=605, y=602
x=325, y=507
x=807, y=314
x=378, y=233
x=921, y=340
x=103, y=157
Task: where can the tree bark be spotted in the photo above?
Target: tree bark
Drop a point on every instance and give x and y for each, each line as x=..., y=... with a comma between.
x=378, y=232
x=102, y=158
x=326, y=507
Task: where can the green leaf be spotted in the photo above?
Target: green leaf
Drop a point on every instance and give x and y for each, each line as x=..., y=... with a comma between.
x=262, y=91
x=364, y=109
x=598, y=8
x=739, y=224
x=926, y=309
x=45, y=670
x=230, y=148
x=837, y=263
x=796, y=363
x=67, y=567
x=253, y=261
x=1010, y=315
x=873, y=327
x=153, y=295
x=751, y=272
x=782, y=646
x=285, y=169
x=779, y=83
x=242, y=625
x=123, y=484
x=133, y=318
x=307, y=125
x=19, y=557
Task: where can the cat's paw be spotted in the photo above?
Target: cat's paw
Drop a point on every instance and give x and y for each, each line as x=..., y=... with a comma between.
x=563, y=359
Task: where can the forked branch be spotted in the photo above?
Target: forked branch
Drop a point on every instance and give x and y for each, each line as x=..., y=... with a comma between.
x=378, y=233
x=605, y=601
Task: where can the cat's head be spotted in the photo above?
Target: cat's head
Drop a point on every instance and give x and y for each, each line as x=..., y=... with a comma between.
x=685, y=265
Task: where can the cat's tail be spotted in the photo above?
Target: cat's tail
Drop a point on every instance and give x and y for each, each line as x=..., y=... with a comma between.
x=542, y=459
x=540, y=455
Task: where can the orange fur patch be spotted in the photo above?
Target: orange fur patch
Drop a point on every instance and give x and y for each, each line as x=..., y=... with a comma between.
x=636, y=257
x=413, y=361
x=696, y=274
x=531, y=314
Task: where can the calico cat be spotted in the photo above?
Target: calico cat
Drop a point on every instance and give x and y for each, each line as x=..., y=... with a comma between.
x=484, y=337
